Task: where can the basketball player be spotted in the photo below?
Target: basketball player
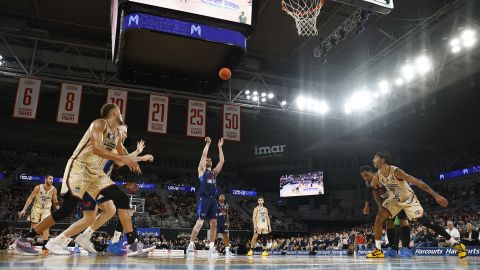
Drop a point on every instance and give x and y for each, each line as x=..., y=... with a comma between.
x=402, y=197
x=223, y=223
x=380, y=194
x=261, y=226
x=84, y=175
x=90, y=222
x=207, y=205
x=43, y=196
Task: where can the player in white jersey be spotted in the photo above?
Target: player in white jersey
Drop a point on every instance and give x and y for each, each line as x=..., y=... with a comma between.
x=261, y=226
x=43, y=196
x=401, y=197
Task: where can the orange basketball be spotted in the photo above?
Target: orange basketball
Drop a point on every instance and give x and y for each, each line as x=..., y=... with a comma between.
x=225, y=74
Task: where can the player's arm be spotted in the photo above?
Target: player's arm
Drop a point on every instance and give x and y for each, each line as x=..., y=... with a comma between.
x=254, y=219
x=203, y=159
x=29, y=201
x=219, y=166
x=140, y=146
x=400, y=174
x=96, y=136
x=55, y=202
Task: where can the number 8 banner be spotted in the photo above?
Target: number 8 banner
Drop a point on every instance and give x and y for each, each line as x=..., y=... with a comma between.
x=158, y=114
x=196, y=120
x=69, y=103
x=231, y=122
x=28, y=92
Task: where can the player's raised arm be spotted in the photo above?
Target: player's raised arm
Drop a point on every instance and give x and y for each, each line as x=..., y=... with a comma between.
x=219, y=166
x=203, y=159
x=400, y=174
x=21, y=214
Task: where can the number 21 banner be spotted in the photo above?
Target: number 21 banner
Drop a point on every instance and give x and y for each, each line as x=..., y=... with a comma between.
x=69, y=103
x=28, y=92
x=158, y=114
x=118, y=97
x=231, y=122
x=196, y=120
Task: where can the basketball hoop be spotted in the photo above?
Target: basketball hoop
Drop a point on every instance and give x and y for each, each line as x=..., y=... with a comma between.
x=305, y=13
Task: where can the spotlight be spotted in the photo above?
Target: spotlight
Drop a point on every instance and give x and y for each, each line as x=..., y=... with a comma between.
x=398, y=82
x=255, y=98
x=408, y=72
x=247, y=92
x=264, y=94
x=270, y=95
x=284, y=102
x=249, y=97
x=255, y=93
x=300, y=103
x=376, y=95
x=347, y=109
x=423, y=65
x=360, y=101
x=455, y=42
x=468, y=34
x=322, y=107
x=456, y=49
x=264, y=99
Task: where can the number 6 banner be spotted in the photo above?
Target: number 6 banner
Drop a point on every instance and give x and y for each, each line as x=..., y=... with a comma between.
x=196, y=120
x=69, y=103
x=231, y=122
x=118, y=97
x=28, y=92
x=158, y=114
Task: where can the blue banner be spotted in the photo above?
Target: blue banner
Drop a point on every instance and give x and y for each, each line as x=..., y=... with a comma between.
x=458, y=173
x=239, y=192
x=183, y=28
x=432, y=251
x=37, y=178
x=148, y=231
x=180, y=188
x=333, y=252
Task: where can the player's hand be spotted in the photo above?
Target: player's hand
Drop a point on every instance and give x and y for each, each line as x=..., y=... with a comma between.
x=441, y=200
x=208, y=140
x=146, y=158
x=255, y=229
x=21, y=214
x=131, y=163
x=366, y=210
x=140, y=146
x=220, y=142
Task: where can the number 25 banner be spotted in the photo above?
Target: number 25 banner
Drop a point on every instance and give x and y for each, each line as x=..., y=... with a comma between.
x=28, y=92
x=231, y=122
x=69, y=103
x=158, y=114
x=196, y=120
x=118, y=97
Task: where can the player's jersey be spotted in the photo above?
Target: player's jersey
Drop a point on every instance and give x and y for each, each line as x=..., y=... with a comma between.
x=208, y=184
x=108, y=168
x=262, y=215
x=222, y=210
x=84, y=151
x=43, y=199
x=381, y=191
x=398, y=190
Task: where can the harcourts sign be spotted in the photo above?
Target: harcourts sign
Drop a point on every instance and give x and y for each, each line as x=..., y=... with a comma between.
x=270, y=151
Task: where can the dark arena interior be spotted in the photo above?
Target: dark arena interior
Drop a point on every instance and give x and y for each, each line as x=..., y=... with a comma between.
x=336, y=134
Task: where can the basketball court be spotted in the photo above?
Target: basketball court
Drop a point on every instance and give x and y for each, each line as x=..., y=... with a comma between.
x=239, y=262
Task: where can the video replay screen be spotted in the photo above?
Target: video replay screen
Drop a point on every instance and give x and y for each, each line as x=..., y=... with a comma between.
x=305, y=184
x=239, y=11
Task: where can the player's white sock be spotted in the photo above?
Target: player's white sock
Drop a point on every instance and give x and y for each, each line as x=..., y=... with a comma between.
x=191, y=244
x=378, y=244
x=211, y=246
x=452, y=241
x=116, y=237
x=88, y=232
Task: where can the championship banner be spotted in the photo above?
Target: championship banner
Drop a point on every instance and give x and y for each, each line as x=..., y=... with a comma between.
x=26, y=102
x=118, y=97
x=196, y=120
x=69, y=103
x=231, y=122
x=158, y=114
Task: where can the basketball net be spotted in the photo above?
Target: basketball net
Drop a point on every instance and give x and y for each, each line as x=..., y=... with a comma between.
x=305, y=13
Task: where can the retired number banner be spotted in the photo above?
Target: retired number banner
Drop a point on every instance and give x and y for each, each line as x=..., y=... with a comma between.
x=231, y=122
x=196, y=120
x=69, y=103
x=118, y=97
x=28, y=92
x=158, y=114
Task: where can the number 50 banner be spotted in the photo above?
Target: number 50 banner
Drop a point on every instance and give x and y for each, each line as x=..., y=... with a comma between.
x=231, y=122
x=69, y=103
x=28, y=92
x=158, y=114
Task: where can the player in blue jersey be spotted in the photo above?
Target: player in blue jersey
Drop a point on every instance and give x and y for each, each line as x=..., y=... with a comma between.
x=207, y=205
x=223, y=223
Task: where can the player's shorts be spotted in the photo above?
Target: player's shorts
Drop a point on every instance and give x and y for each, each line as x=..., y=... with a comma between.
x=78, y=179
x=207, y=208
x=222, y=226
x=37, y=214
x=401, y=215
x=89, y=204
x=262, y=231
x=411, y=206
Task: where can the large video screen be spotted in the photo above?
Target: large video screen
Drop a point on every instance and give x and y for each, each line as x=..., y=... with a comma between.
x=239, y=11
x=305, y=184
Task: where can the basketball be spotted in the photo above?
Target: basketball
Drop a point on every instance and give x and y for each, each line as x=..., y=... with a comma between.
x=225, y=74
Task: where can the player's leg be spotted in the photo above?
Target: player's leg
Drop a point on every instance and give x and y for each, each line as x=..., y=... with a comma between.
x=404, y=234
x=252, y=243
x=201, y=214
x=382, y=215
x=117, y=233
x=264, y=237
x=213, y=234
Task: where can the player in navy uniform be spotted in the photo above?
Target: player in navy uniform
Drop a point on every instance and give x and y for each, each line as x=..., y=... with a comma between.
x=223, y=223
x=207, y=205
x=380, y=194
